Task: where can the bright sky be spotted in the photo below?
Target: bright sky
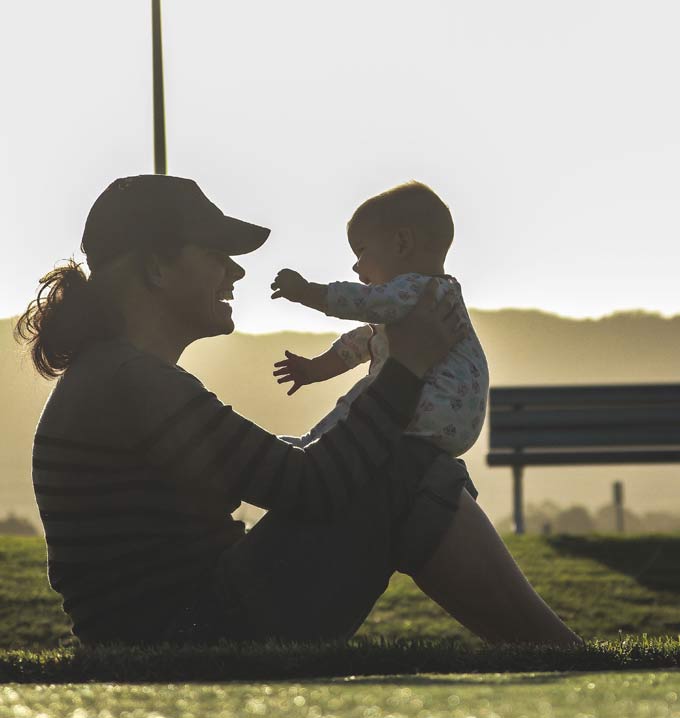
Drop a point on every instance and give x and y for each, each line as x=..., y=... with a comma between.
x=552, y=129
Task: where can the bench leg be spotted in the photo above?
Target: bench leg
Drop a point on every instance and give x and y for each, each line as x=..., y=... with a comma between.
x=518, y=512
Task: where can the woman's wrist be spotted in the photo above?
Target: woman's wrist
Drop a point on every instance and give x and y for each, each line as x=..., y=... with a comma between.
x=424, y=336
x=400, y=387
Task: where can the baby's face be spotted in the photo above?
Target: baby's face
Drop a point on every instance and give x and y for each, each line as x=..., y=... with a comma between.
x=377, y=259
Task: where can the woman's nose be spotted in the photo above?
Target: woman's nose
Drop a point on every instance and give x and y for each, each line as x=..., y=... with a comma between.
x=235, y=271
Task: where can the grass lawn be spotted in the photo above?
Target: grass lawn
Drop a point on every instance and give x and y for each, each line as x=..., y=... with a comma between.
x=410, y=659
x=510, y=695
x=599, y=585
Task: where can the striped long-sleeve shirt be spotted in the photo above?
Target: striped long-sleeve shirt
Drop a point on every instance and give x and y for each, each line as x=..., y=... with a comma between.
x=137, y=468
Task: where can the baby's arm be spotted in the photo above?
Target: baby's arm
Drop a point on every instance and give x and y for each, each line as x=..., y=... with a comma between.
x=347, y=351
x=377, y=304
x=295, y=288
x=302, y=371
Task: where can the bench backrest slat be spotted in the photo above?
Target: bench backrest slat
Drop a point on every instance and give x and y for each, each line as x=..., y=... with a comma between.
x=591, y=436
x=587, y=396
x=568, y=417
x=577, y=418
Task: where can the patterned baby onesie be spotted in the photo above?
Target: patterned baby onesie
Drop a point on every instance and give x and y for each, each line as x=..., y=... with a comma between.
x=452, y=403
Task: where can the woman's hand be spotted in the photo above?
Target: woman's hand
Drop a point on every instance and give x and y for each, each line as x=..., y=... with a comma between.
x=423, y=337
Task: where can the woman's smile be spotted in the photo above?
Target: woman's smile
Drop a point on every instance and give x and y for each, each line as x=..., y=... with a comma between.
x=223, y=297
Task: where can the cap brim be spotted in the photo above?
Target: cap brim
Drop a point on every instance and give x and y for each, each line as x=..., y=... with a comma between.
x=239, y=237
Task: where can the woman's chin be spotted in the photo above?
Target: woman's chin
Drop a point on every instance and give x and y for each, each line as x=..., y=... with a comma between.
x=222, y=322
x=219, y=329
x=227, y=324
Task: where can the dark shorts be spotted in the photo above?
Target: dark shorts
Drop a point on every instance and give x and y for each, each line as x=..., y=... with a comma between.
x=312, y=581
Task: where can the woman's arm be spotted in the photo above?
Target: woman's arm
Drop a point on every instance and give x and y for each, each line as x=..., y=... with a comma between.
x=189, y=437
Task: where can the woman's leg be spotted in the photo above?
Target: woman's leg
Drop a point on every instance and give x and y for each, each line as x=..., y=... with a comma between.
x=305, y=581
x=474, y=578
x=302, y=582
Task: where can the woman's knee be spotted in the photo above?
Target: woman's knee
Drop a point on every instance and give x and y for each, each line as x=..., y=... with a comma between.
x=430, y=513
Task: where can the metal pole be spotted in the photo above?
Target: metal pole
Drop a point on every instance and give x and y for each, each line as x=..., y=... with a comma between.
x=618, y=505
x=518, y=512
x=160, y=160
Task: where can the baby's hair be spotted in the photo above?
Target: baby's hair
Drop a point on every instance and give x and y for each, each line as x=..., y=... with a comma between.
x=411, y=204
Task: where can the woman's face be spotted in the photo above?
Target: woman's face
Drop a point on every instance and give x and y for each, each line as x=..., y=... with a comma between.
x=200, y=282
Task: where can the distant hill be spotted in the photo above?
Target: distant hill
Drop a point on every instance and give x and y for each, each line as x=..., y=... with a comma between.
x=522, y=346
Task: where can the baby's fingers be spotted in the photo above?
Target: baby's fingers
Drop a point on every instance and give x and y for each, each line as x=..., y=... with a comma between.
x=293, y=388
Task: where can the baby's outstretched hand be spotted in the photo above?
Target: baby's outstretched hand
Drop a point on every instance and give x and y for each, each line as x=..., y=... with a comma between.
x=296, y=369
x=290, y=285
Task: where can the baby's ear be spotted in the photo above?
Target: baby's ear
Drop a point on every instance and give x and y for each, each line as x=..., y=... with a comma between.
x=405, y=241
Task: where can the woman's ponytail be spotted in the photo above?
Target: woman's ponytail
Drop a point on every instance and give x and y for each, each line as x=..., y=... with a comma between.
x=65, y=318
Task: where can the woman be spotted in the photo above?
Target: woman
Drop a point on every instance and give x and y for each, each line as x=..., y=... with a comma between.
x=137, y=467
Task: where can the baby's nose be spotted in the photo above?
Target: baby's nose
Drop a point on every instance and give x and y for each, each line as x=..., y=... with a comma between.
x=355, y=268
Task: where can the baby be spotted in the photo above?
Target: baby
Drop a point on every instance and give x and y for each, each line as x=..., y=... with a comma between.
x=400, y=238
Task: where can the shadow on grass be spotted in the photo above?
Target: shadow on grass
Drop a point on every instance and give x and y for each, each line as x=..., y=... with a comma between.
x=279, y=661
x=653, y=561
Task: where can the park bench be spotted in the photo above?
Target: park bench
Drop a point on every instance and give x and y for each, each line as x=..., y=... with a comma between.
x=568, y=425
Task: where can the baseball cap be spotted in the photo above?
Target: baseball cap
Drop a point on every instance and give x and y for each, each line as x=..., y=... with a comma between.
x=149, y=210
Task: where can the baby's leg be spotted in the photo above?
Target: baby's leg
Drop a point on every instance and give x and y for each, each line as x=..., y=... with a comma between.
x=306, y=439
x=331, y=419
x=450, y=415
x=298, y=441
x=455, y=434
